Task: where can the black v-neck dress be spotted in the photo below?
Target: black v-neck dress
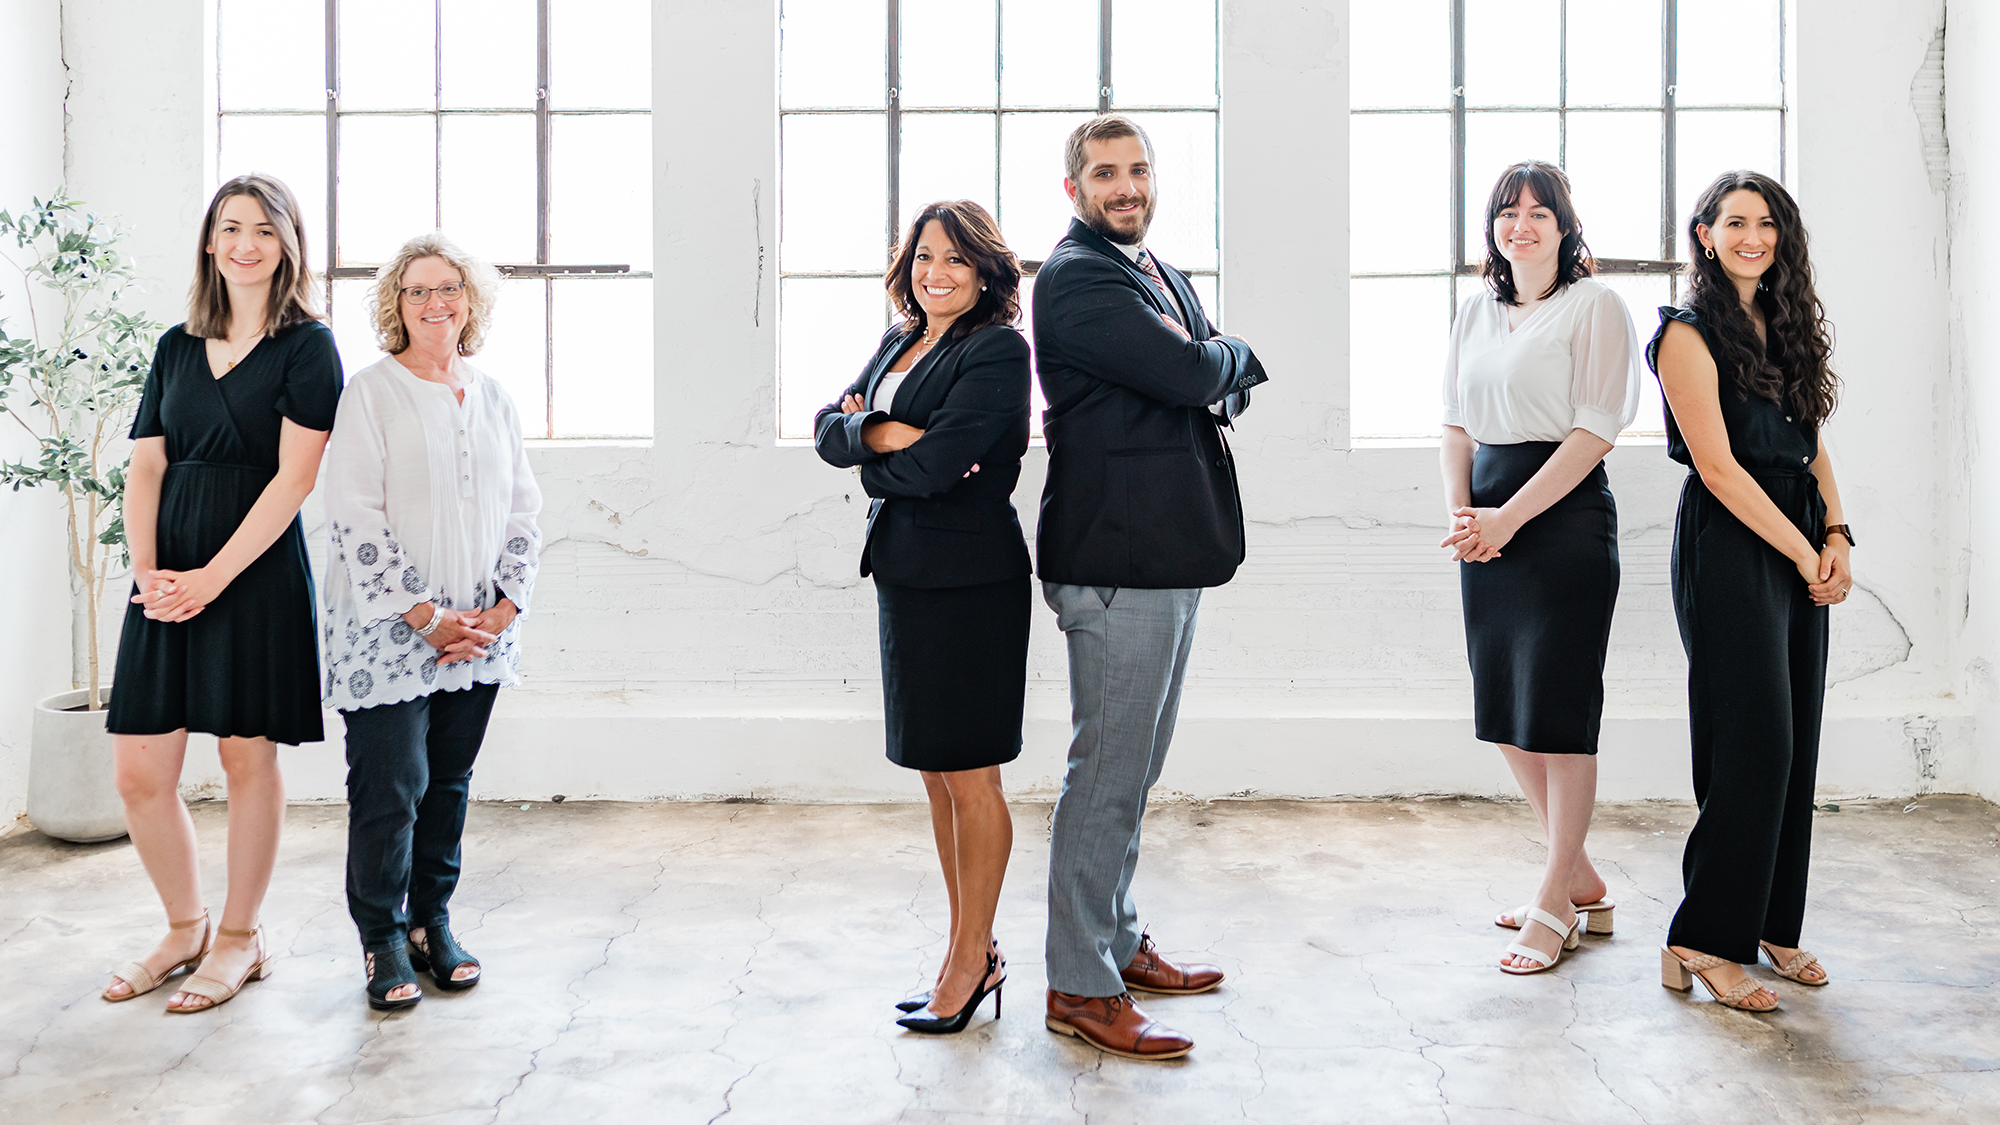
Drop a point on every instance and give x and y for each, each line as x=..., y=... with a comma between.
x=247, y=666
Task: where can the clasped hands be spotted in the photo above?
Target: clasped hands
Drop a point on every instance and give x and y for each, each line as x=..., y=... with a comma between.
x=462, y=635
x=1828, y=575
x=886, y=436
x=175, y=595
x=1477, y=534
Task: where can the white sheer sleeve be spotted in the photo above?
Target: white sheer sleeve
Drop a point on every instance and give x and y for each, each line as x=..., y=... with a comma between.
x=385, y=582
x=1604, y=382
x=521, y=544
x=1454, y=414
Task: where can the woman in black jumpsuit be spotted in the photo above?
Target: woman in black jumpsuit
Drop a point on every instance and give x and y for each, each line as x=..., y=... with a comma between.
x=1760, y=552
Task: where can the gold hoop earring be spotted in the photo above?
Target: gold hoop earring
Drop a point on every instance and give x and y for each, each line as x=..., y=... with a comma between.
x=1710, y=251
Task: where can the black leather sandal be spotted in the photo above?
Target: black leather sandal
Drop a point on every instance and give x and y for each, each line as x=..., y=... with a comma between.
x=441, y=956
x=389, y=969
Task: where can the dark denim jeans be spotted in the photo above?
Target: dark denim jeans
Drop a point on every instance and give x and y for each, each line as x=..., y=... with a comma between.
x=409, y=768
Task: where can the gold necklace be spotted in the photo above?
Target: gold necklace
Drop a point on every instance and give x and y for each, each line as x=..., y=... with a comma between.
x=239, y=357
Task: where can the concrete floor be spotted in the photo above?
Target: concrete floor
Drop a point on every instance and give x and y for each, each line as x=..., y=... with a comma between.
x=736, y=962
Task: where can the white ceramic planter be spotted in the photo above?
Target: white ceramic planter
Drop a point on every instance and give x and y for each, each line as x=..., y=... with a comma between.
x=71, y=794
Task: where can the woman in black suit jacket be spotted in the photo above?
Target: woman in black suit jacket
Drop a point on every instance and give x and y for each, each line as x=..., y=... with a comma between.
x=937, y=423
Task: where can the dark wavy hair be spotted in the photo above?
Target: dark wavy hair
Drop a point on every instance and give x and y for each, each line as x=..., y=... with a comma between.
x=1791, y=366
x=977, y=237
x=1551, y=189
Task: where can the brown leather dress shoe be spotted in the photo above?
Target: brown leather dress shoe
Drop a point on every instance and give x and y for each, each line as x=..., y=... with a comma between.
x=1116, y=1026
x=1150, y=972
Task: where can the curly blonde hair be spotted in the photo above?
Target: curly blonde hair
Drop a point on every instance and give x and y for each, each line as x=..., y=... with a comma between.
x=482, y=290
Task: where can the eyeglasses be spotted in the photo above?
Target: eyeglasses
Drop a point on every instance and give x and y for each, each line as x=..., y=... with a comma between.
x=418, y=294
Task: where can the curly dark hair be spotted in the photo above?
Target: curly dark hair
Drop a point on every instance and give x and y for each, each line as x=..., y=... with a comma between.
x=1551, y=190
x=1791, y=366
x=977, y=237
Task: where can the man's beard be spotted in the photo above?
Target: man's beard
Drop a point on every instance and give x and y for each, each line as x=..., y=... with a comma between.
x=1098, y=219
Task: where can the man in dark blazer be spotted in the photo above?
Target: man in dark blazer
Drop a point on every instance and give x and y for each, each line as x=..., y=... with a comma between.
x=1140, y=512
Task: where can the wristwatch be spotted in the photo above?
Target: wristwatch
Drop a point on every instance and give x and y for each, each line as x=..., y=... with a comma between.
x=1843, y=530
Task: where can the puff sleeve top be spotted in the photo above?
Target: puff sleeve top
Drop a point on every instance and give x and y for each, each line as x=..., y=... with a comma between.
x=1573, y=364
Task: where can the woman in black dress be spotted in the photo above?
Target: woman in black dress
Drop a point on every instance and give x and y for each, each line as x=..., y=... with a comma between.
x=937, y=424
x=1760, y=552
x=220, y=634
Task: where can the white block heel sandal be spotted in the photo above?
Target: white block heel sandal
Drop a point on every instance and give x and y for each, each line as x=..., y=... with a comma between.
x=1572, y=936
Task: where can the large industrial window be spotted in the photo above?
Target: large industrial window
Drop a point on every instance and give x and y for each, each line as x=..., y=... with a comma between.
x=1642, y=102
x=521, y=128
x=887, y=105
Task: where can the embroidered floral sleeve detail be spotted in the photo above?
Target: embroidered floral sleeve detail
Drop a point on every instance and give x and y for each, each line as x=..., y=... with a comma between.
x=385, y=583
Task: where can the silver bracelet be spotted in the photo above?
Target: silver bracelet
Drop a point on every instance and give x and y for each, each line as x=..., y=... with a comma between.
x=437, y=615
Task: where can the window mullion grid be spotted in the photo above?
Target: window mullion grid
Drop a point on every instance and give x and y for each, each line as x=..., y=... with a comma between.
x=999, y=148
x=437, y=114
x=543, y=240
x=332, y=146
x=1104, y=98
x=893, y=69
x=1669, y=132
x=1457, y=153
x=1562, y=85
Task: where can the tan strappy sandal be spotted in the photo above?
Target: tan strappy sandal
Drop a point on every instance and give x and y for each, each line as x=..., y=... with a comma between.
x=218, y=993
x=141, y=980
x=1597, y=917
x=1680, y=975
x=1800, y=962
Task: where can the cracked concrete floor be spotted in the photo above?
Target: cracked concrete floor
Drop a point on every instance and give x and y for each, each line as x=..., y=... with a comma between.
x=736, y=962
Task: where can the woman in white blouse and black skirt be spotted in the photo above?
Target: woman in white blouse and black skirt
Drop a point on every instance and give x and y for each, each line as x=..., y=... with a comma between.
x=1542, y=375
x=431, y=511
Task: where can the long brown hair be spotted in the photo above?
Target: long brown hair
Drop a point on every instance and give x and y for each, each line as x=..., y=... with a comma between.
x=1551, y=189
x=977, y=237
x=294, y=300
x=1792, y=365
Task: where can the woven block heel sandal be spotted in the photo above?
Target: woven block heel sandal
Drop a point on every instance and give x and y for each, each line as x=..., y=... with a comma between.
x=1680, y=975
x=440, y=955
x=1598, y=915
x=1572, y=936
x=388, y=968
x=140, y=980
x=218, y=993
x=1799, y=963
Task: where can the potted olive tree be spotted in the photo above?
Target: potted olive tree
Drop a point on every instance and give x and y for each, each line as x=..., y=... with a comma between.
x=72, y=383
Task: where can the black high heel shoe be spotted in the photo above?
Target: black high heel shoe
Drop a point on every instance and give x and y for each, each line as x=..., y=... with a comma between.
x=923, y=998
x=388, y=969
x=952, y=1025
x=441, y=955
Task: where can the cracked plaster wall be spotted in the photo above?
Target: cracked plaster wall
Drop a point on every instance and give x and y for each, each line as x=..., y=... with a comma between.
x=1972, y=126
x=700, y=628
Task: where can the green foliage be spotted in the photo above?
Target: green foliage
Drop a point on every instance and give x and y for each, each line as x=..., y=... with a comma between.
x=74, y=380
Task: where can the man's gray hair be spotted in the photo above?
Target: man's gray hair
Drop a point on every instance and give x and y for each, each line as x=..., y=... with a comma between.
x=1101, y=128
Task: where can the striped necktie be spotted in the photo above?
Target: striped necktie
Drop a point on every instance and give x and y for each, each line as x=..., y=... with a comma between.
x=1152, y=270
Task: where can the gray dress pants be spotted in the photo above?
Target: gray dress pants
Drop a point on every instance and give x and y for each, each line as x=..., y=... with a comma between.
x=1128, y=653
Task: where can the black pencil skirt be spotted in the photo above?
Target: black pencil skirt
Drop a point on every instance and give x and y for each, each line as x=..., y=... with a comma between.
x=1538, y=618
x=954, y=673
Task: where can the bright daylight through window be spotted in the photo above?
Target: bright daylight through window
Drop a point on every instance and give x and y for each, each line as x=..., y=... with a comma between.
x=521, y=128
x=887, y=105
x=1642, y=102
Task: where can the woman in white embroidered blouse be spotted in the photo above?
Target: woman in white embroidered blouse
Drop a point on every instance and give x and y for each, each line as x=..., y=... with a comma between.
x=1542, y=374
x=431, y=511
